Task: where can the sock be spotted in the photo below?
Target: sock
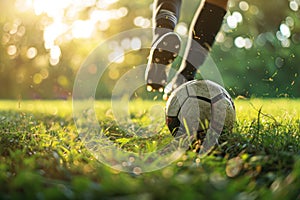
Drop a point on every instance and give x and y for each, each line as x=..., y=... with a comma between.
x=165, y=16
x=207, y=25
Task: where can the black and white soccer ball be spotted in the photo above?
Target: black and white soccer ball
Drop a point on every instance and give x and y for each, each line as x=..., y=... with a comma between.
x=198, y=107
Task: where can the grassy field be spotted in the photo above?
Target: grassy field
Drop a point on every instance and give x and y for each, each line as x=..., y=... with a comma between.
x=42, y=157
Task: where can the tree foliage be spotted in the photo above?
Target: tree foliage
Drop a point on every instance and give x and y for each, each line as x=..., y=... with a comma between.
x=257, y=50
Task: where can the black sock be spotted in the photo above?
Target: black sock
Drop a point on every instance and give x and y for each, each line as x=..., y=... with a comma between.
x=166, y=15
x=207, y=26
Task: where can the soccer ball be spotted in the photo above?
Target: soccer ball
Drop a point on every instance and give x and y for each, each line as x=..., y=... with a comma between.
x=200, y=107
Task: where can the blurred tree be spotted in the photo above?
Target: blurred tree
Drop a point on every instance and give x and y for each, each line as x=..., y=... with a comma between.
x=43, y=44
x=259, y=55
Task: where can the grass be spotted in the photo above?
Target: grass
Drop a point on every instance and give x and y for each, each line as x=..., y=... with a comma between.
x=42, y=156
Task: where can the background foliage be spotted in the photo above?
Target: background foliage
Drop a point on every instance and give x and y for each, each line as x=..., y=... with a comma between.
x=43, y=44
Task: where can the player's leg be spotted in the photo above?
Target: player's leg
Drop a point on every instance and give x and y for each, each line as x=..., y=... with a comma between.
x=166, y=43
x=204, y=28
x=165, y=15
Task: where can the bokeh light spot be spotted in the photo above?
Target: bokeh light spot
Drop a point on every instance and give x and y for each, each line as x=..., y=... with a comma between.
x=63, y=81
x=31, y=53
x=285, y=30
x=181, y=28
x=239, y=42
x=117, y=56
x=55, y=52
x=37, y=78
x=114, y=74
x=279, y=62
x=136, y=43
x=82, y=29
x=142, y=22
x=12, y=50
x=244, y=6
x=92, y=69
x=294, y=6
x=44, y=73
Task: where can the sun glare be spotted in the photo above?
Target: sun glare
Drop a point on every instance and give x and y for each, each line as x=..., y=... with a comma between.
x=66, y=22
